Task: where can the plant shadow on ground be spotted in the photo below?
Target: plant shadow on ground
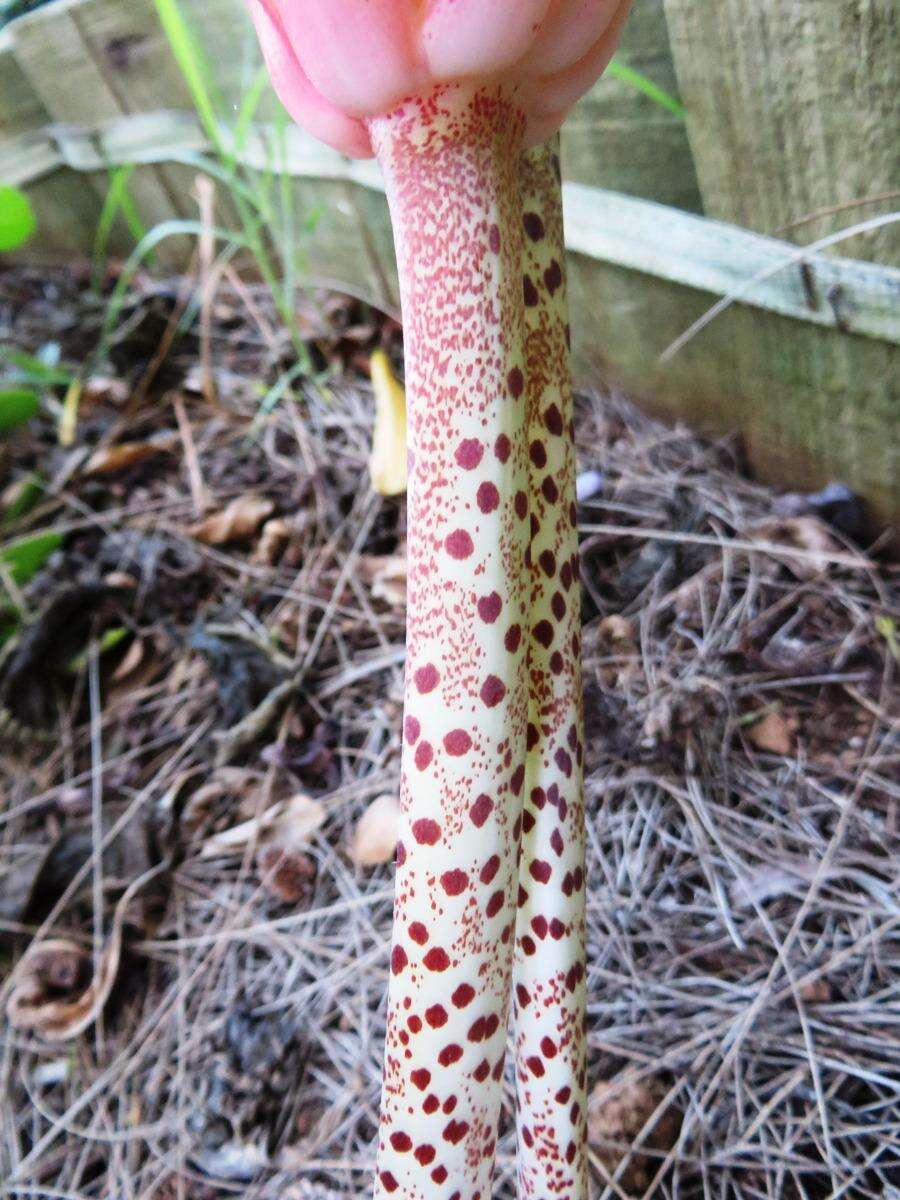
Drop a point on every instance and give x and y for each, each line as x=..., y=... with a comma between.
x=201, y=697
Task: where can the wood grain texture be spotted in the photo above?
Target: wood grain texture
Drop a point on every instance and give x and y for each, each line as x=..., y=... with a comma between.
x=793, y=107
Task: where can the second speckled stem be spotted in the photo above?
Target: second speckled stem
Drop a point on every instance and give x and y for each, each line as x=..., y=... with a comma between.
x=549, y=971
x=451, y=168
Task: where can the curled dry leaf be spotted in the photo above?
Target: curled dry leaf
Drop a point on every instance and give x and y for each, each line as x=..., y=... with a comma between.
x=774, y=733
x=275, y=535
x=387, y=463
x=53, y=991
x=386, y=576
x=237, y=521
x=808, y=534
x=289, y=825
x=287, y=874
x=618, y=1109
x=110, y=459
x=377, y=831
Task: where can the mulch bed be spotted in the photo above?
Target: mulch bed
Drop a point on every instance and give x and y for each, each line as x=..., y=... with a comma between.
x=200, y=696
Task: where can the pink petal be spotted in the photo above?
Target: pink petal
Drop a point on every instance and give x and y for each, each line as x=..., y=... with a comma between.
x=555, y=94
x=462, y=38
x=570, y=28
x=306, y=105
x=360, y=54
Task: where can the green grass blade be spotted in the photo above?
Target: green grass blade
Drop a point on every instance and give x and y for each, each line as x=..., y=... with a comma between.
x=618, y=70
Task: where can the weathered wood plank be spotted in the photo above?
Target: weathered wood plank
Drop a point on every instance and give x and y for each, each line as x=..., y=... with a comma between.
x=792, y=108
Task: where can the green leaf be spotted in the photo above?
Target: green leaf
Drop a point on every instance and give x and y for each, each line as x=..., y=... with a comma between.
x=17, y=222
x=108, y=641
x=26, y=494
x=24, y=558
x=17, y=405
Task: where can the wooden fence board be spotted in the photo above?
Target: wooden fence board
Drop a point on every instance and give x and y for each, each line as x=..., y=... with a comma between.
x=792, y=108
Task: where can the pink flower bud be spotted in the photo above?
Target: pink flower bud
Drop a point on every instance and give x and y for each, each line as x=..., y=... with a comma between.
x=337, y=63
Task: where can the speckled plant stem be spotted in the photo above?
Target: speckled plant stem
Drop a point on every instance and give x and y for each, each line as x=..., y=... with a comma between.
x=451, y=168
x=549, y=973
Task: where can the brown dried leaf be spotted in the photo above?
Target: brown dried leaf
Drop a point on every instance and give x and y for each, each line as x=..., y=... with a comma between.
x=110, y=459
x=774, y=733
x=51, y=991
x=618, y=1109
x=807, y=534
x=377, y=832
x=275, y=535
x=239, y=520
x=386, y=576
x=289, y=824
x=287, y=874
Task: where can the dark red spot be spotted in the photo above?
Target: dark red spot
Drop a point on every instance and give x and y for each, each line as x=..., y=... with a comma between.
x=400, y=856
x=515, y=783
x=553, y=420
x=398, y=959
x=476, y=1030
x=425, y=1154
x=553, y=277
x=436, y=1016
x=463, y=995
x=522, y=995
x=489, y=607
x=491, y=1025
x=564, y=761
x=543, y=633
x=449, y=1105
x=522, y=899
x=418, y=933
x=439, y=1174
x=565, y=575
x=497, y=1069
x=469, y=453
x=520, y=504
x=412, y=729
x=562, y=1096
x=494, y=904
x=515, y=381
x=534, y=226
x=529, y=291
x=482, y=1071
x=481, y=810
x=424, y=754
x=426, y=678
x=431, y=1104
x=487, y=497
x=535, y=1066
x=502, y=447
x=459, y=544
x=547, y=560
x=437, y=959
x=558, y=605
x=512, y=638
x=456, y=1131
x=490, y=868
x=415, y=1024
x=568, y=885
x=492, y=691
x=556, y=842
x=528, y=945
x=450, y=1054
x=548, y=1047
x=538, y=454
x=527, y=1136
x=388, y=1182
x=494, y=239
x=454, y=882
x=556, y=663
x=528, y=823
x=539, y=925
x=457, y=742
x=570, y=1153
x=401, y=1142
x=426, y=832
x=557, y=929
x=540, y=870
x=549, y=490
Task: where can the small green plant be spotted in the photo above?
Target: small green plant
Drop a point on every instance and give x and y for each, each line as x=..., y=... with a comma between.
x=17, y=222
x=639, y=81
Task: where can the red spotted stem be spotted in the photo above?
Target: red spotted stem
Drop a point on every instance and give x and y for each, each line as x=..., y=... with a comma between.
x=549, y=977
x=451, y=166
